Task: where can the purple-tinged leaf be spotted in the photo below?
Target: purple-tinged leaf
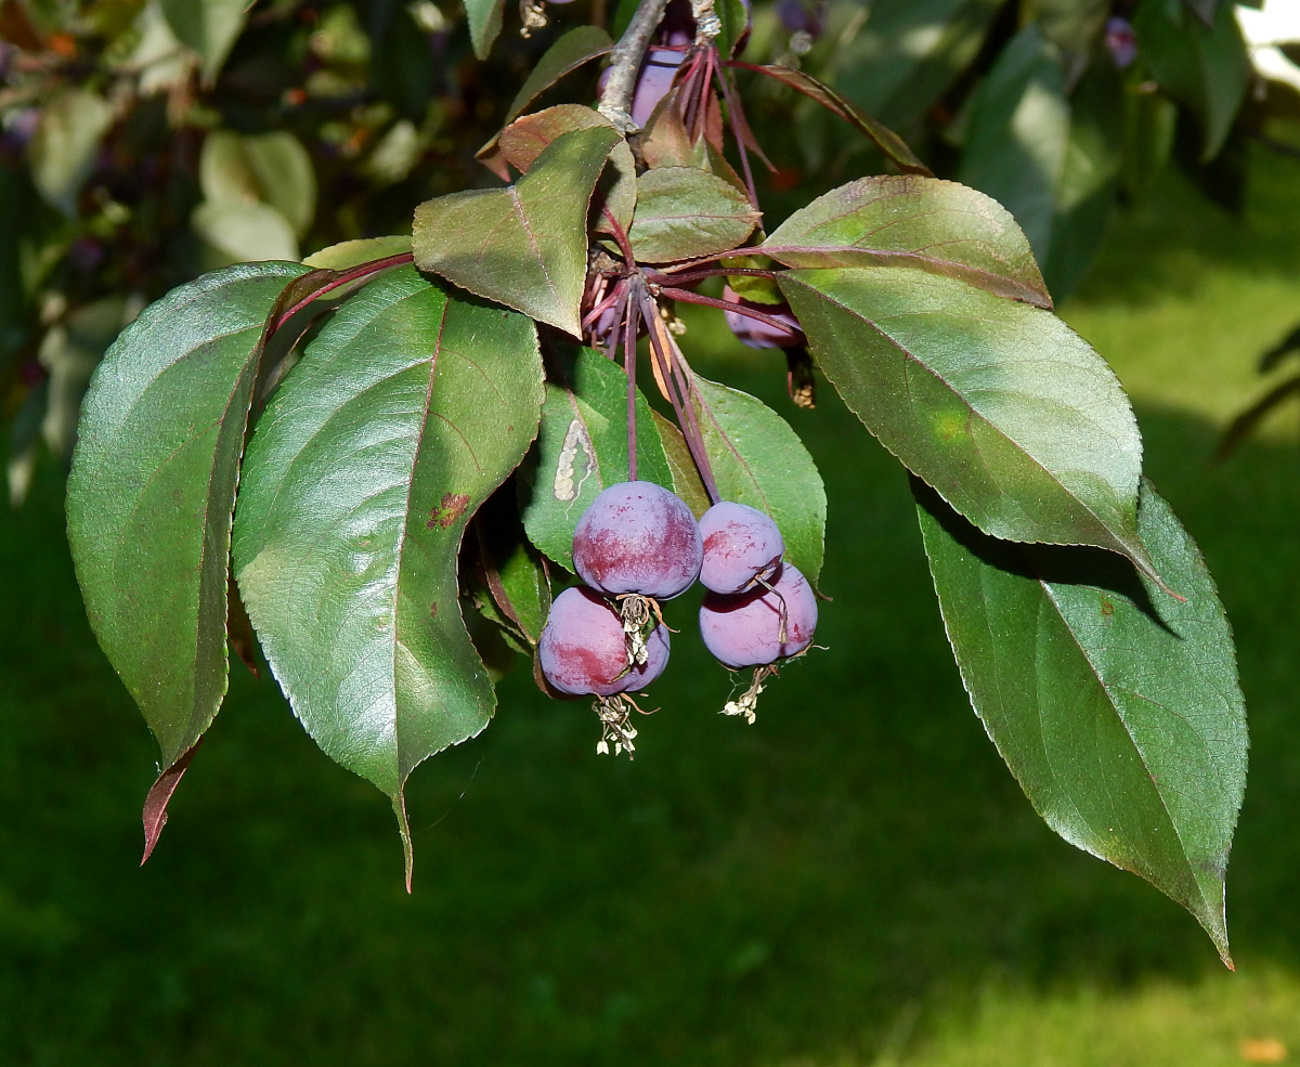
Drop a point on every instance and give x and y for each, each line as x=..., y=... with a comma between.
x=913, y=221
x=998, y=405
x=684, y=213
x=524, y=246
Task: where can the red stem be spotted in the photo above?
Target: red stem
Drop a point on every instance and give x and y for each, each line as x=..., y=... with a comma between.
x=629, y=367
x=671, y=373
x=726, y=305
x=361, y=271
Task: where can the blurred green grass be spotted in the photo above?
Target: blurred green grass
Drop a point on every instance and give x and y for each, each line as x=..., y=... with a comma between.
x=853, y=880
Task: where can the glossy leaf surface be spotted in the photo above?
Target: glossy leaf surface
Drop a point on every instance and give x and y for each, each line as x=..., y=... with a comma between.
x=1116, y=707
x=570, y=51
x=1007, y=412
x=524, y=246
x=524, y=140
x=582, y=449
x=404, y=414
x=757, y=459
x=684, y=213
x=152, y=489
x=914, y=221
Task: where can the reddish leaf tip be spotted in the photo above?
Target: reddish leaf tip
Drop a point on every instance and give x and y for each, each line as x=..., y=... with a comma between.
x=154, y=815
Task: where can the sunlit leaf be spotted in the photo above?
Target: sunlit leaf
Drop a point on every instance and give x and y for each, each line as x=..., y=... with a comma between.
x=153, y=486
x=684, y=213
x=758, y=460
x=914, y=221
x=1007, y=412
x=405, y=413
x=582, y=449
x=1117, y=708
x=570, y=51
x=347, y=254
x=270, y=168
x=524, y=246
x=243, y=232
x=524, y=140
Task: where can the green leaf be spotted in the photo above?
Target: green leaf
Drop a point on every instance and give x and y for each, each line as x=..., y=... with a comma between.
x=685, y=213
x=404, y=414
x=582, y=449
x=1206, y=68
x=758, y=460
x=1051, y=161
x=484, y=24
x=686, y=481
x=908, y=52
x=881, y=136
x=208, y=26
x=347, y=254
x=914, y=221
x=1150, y=125
x=524, y=246
x=524, y=140
x=63, y=151
x=570, y=51
x=734, y=16
x=153, y=486
x=512, y=570
x=1000, y=406
x=270, y=168
x=1116, y=708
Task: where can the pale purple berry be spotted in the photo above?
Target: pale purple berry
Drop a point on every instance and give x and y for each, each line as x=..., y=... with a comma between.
x=741, y=545
x=745, y=630
x=757, y=334
x=654, y=81
x=637, y=537
x=583, y=649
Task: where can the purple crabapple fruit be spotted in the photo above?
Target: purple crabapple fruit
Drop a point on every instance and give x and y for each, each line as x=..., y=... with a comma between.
x=637, y=537
x=745, y=630
x=654, y=81
x=741, y=546
x=583, y=649
x=758, y=334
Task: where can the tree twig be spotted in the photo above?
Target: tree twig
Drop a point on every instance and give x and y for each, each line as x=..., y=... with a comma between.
x=625, y=63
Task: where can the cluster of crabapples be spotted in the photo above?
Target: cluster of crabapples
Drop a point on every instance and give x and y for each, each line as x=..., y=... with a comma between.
x=639, y=544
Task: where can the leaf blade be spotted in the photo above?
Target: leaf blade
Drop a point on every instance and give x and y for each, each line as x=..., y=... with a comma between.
x=403, y=416
x=152, y=487
x=936, y=225
x=524, y=246
x=685, y=213
x=1008, y=413
x=1118, y=710
x=758, y=460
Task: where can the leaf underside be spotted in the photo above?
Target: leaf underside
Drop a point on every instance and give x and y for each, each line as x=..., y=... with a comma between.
x=402, y=417
x=1115, y=707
